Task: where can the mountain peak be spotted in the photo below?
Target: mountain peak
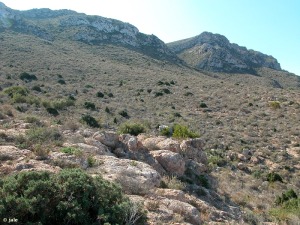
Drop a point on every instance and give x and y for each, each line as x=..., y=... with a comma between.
x=2, y=5
x=93, y=30
x=214, y=52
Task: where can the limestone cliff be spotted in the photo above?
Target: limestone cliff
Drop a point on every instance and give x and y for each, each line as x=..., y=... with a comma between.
x=214, y=52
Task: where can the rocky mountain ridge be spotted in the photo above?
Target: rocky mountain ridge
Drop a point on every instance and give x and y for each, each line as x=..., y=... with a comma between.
x=207, y=51
x=214, y=52
x=53, y=24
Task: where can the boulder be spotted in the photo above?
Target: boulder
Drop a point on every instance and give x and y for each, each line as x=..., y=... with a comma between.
x=197, y=168
x=68, y=160
x=241, y=157
x=247, y=153
x=172, y=162
x=193, y=149
x=172, y=194
x=109, y=139
x=150, y=160
x=135, y=177
x=242, y=166
x=151, y=143
x=131, y=142
x=169, y=144
x=120, y=153
x=86, y=133
x=90, y=149
x=34, y=165
x=102, y=149
x=12, y=153
x=254, y=160
x=231, y=155
x=189, y=212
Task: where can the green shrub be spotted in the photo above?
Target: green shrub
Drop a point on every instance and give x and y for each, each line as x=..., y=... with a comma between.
x=286, y=196
x=69, y=197
x=52, y=111
x=18, y=98
x=89, y=105
x=124, y=114
x=188, y=94
x=61, y=81
x=171, y=182
x=100, y=94
x=157, y=94
x=43, y=135
x=111, y=95
x=90, y=121
x=216, y=160
x=172, y=82
x=160, y=82
x=71, y=151
x=36, y=88
x=287, y=212
x=180, y=131
x=132, y=128
x=27, y=77
x=203, y=105
x=166, y=132
x=41, y=151
x=11, y=91
x=257, y=174
x=34, y=120
x=203, y=181
x=166, y=91
x=62, y=104
x=71, y=97
x=107, y=110
x=272, y=177
x=177, y=114
x=88, y=86
x=39, y=136
x=91, y=161
x=274, y=104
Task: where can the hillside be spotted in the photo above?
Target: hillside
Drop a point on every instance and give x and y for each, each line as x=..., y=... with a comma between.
x=214, y=52
x=94, y=30
x=52, y=84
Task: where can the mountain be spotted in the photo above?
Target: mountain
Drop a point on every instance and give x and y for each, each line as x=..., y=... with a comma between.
x=94, y=30
x=68, y=101
x=214, y=52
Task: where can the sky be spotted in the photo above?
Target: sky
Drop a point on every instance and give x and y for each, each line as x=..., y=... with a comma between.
x=269, y=26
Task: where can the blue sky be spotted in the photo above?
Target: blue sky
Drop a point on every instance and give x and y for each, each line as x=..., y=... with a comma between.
x=268, y=26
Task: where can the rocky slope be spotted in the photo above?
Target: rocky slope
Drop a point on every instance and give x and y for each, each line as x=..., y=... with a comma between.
x=138, y=163
x=213, y=52
x=95, y=30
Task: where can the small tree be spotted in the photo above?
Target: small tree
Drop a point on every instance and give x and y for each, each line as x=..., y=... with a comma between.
x=89, y=105
x=69, y=197
x=89, y=120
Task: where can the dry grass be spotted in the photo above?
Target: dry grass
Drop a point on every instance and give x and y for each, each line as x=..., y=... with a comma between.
x=238, y=113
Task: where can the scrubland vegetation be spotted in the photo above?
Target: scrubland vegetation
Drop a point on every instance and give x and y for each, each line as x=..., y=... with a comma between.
x=250, y=128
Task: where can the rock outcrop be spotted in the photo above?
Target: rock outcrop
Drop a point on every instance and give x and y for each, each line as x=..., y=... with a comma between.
x=138, y=164
x=172, y=162
x=213, y=52
x=94, y=30
x=135, y=177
